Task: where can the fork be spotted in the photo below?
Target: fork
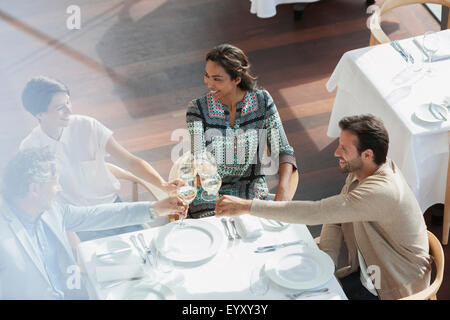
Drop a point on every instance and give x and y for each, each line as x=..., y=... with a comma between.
x=308, y=293
x=117, y=282
x=227, y=230
x=147, y=249
x=139, y=249
x=233, y=224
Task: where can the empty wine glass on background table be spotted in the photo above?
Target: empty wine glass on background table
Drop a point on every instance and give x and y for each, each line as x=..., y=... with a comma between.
x=431, y=46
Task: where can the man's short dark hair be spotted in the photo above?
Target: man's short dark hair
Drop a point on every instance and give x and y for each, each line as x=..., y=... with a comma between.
x=371, y=134
x=38, y=93
x=26, y=167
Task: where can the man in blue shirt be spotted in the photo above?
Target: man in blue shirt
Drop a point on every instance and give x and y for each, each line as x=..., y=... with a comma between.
x=36, y=260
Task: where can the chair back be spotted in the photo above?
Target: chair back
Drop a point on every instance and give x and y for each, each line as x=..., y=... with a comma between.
x=377, y=35
x=437, y=254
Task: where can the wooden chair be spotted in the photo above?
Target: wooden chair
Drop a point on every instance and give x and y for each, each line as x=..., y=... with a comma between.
x=120, y=173
x=437, y=254
x=377, y=35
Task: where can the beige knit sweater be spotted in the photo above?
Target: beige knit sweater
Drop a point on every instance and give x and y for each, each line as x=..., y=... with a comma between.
x=379, y=216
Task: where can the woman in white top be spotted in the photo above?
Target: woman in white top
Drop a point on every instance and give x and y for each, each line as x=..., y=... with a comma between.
x=80, y=144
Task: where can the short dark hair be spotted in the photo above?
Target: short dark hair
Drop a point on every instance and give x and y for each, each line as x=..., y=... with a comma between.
x=235, y=63
x=26, y=167
x=371, y=134
x=38, y=93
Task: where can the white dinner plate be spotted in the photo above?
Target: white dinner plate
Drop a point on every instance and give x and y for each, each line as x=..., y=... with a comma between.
x=299, y=267
x=273, y=225
x=196, y=241
x=141, y=290
x=423, y=113
x=112, y=246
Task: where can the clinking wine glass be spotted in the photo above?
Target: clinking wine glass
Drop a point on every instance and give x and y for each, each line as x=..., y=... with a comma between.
x=187, y=193
x=186, y=170
x=431, y=46
x=211, y=184
x=205, y=162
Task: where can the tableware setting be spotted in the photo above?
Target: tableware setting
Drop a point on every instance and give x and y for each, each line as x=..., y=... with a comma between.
x=197, y=241
x=441, y=53
x=299, y=268
x=431, y=113
x=116, y=261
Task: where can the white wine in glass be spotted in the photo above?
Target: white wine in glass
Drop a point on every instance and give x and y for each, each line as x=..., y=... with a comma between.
x=187, y=193
x=211, y=185
x=186, y=170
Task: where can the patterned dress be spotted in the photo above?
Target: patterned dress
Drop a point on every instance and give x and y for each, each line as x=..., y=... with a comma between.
x=241, y=152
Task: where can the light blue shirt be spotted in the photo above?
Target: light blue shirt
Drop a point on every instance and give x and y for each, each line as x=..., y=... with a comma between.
x=46, y=242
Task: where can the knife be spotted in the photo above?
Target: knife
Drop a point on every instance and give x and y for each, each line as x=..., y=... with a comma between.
x=278, y=246
x=102, y=255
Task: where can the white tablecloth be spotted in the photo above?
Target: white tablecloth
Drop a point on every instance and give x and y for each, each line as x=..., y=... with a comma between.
x=267, y=8
x=376, y=80
x=224, y=277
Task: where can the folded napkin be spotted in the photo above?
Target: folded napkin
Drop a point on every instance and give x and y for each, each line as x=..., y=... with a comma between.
x=248, y=226
x=119, y=272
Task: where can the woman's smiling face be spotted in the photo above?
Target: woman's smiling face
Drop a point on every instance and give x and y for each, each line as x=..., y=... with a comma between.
x=218, y=81
x=58, y=111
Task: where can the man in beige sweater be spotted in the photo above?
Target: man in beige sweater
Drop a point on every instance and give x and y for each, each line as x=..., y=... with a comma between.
x=376, y=215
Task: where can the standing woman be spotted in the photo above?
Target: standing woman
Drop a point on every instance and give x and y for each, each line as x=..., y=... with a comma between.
x=237, y=122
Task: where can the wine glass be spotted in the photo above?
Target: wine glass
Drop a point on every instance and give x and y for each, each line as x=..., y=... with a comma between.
x=211, y=183
x=431, y=46
x=187, y=193
x=186, y=170
x=205, y=163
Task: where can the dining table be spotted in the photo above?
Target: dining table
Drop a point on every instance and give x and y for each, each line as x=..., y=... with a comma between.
x=412, y=102
x=228, y=268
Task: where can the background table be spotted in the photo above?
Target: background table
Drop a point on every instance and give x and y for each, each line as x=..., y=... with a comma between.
x=267, y=8
x=377, y=80
x=224, y=277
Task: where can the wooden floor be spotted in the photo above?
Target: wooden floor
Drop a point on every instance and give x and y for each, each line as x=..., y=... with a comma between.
x=134, y=65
